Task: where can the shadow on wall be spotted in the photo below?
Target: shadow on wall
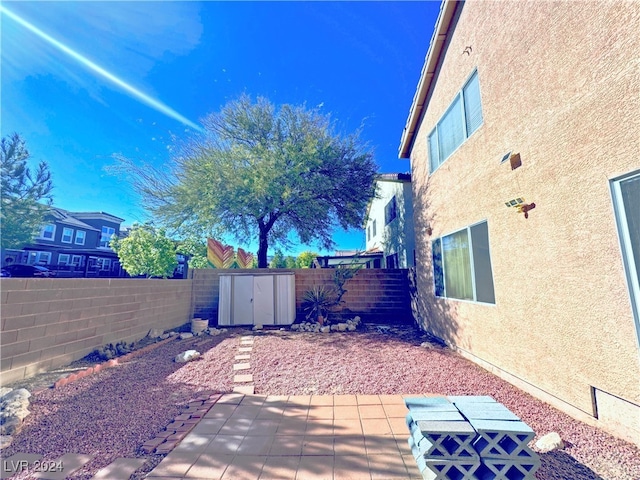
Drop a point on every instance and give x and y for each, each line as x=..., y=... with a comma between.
x=435, y=315
x=393, y=238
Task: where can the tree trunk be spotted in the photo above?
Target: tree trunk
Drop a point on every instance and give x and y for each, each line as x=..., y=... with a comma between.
x=262, y=248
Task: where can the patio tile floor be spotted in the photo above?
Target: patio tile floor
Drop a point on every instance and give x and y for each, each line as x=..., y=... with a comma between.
x=259, y=437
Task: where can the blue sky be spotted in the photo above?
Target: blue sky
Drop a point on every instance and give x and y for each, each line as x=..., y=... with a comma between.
x=360, y=61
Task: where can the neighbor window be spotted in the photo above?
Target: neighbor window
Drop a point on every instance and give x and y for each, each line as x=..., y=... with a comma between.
x=48, y=232
x=374, y=228
x=80, y=236
x=105, y=238
x=36, y=258
x=103, y=263
x=67, y=235
x=462, y=265
x=368, y=233
x=390, y=211
x=63, y=259
x=76, y=260
x=462, y=118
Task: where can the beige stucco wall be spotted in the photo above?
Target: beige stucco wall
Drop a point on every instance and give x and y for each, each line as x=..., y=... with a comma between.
x=560, y=84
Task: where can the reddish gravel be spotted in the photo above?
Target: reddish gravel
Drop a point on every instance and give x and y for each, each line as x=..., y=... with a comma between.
x=110, y=414
x=372, y=363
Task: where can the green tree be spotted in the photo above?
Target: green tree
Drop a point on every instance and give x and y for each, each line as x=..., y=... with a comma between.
x=196, y=250
x=278, y=260
x=290, y=262
x=261, y=172
x=305, y=259
x=146, y=251
x=22, y=192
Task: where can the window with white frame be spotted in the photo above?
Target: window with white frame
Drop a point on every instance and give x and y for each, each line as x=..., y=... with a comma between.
x=462, y=265
x=462, y=118
x=103, y=263
x=39, y=258
x=48, y=232
x=63, y=259
x=80, y=236
x=76, y=260
x=107, y=233
x=390, y=211
x=67, y=235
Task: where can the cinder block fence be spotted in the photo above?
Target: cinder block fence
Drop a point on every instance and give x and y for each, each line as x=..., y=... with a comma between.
x=47, y=323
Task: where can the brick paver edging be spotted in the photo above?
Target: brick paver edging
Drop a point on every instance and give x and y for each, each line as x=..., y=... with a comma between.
x=176, y=430
x=72, y=377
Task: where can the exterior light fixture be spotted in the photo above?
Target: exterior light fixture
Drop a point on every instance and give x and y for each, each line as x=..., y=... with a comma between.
x=521, y=206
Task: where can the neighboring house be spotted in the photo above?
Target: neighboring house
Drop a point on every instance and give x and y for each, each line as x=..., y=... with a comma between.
x=350, y=258
x=389, y=221
x=73, y=243
x=537, y=101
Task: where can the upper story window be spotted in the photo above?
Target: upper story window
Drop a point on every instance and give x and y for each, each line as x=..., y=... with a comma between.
x=80, y=236
x=390, y=211
x=67, y=235
x=462, y=118
x=105, y=237
x=48, y=232
x=374, y=228
x=368, y=233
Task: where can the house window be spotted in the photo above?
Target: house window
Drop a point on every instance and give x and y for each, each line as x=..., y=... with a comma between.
x=105, y=238
x=103, y=263
x=462, y=118
x=462, y=265
x=390, y=211
x=39, y=258
x=63, y=259
x=392, y=261
x=626, y=198
x=48, y=232
x=368, y=233
x=80, y=236
x=76, y=260
x=67, y=235
x=374, y=228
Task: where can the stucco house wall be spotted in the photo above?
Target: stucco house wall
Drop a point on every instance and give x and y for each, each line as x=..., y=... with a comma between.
x=397, y=236
x=559, y=84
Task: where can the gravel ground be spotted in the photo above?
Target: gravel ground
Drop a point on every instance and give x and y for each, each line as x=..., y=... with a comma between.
x=109, y=415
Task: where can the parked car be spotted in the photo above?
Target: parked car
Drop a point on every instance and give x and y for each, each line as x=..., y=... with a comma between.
x=18, y=270
x=4, y=273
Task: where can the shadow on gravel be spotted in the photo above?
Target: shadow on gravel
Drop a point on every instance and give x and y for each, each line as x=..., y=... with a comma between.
x=560, y=465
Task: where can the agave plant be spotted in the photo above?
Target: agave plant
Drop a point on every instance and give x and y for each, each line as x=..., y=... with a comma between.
x=317, y=302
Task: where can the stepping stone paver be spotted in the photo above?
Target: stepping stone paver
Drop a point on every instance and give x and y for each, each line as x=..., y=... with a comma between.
x=119, y=469
x=245, y=349
x=69, y=463
x=243, y=357
x=244, y=389
x=241, y=366
x=17, y=463
x=243, y=378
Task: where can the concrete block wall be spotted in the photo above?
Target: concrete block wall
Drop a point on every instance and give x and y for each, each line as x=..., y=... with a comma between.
x=47, y=323
x=377, y=295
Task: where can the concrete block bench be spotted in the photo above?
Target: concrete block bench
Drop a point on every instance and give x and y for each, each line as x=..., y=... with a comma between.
x=469, y=438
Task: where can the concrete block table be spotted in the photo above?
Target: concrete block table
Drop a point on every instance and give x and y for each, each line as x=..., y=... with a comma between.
x=469, y=437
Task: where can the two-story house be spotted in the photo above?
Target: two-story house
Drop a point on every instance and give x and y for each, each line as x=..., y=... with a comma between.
x=523, y=140
x=389, y=221
x=73, y=243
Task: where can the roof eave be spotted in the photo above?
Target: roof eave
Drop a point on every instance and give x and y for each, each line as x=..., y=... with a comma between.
x=428, y=74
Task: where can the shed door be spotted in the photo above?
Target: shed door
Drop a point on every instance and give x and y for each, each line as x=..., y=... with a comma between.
x=242, y=300
x=263, y=312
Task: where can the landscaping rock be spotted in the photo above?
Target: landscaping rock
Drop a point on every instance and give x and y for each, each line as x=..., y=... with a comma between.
x=13, y=409
x=334, y=328
x=5, y=441
x=325, y=329
x=155, y=333
x=295, y=326
x=10, y=425
x=4, y=391
x=351, y=328
x=257, y=327
x=187, y=356
x=342, y=327
x=549, y=443
x=164, y=336
x=185, y=335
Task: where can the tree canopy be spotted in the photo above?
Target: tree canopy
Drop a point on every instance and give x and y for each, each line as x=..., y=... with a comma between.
x=146, y=251
x=261, y=172
x=22, y=193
